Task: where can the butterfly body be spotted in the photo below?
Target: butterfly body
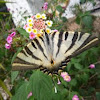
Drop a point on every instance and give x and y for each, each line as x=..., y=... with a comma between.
x=52, y=51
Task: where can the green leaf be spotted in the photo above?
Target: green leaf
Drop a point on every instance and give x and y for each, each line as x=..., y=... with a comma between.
x=16, y=54
x=23, y=32
x=98, y=95
x=82, y=1
x=1, y=98
x=41, y=85
x=14, y=74
x=64, y=19
x=59, y=8
x=5, y=88
x=78, y=66
x=87, y=21
x=2, y=66
x=73, y=82
x=21, y=93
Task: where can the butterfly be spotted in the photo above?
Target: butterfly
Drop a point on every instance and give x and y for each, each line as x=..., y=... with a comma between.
x=52, y=52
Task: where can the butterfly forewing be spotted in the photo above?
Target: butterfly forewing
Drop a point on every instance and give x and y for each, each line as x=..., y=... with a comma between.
x=52, y=51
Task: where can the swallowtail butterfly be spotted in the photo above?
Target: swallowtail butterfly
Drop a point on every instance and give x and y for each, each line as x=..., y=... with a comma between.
x=51, y=52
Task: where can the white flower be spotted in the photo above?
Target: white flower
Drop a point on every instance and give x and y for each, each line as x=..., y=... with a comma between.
x=48, y=30
x=30, y=24
x=49, y=23
x=43, y=16
x=28, y=29
x=29, y=20
x=34, y=31
x=41, y=30
x=38, y=16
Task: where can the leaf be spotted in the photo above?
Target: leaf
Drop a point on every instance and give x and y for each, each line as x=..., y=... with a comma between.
x=82, y=1
x=1, y=98
x=5, y=88
x=87, y=21
x=98, y=95
x=14, y=74
x=23, y=32
x=2, y=66
x=41, y=85
x=64, y=19
x=21, y=93
x=59, y=8
x=73, y=82
x=78, y=66
x=16, y=54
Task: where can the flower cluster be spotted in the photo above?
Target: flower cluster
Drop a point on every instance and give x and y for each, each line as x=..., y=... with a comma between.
x=36, y=24
x=9, y=40
x=45, y=6
x=75, y=97
x=65, y=76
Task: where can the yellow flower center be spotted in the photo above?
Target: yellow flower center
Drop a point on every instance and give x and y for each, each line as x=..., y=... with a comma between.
x=38, y=35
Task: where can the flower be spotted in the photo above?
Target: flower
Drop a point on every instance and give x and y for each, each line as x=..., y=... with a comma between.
x=9, y=39
x=30, y=94
x=12, y=34
x=48, y=30
x=31, y=35
x=30, y=24
x=43, y=16
x=65, y=76
x=7, y=46
x=75, y=97
x=38, y=16
x=25, y=26
x=49, y=23
x=34, y=31
x=45, y=6
x=28, y=29
x=38, y=35
x=39, y=24
x=55, y=30
x=92, y=66
x=41, y=30
x=29, y=20
x=58, y=81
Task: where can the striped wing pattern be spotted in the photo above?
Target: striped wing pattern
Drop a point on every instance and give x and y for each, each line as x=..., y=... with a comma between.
x=51, y=52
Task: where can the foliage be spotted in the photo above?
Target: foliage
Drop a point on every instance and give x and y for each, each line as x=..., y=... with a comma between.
x=84, y=81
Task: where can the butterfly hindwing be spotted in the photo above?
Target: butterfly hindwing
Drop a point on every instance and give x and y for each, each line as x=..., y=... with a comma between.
x=52, y=51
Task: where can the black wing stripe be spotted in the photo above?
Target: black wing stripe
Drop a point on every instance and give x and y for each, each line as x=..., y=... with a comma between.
x=73, y=41
x=47, y=38
x=40, y=47
x=33, y=45
x=21, y=61
x=31, y=54
x=59, y=42
x=24, y=53
x=41, y=39
x=66, y=35
x=81, y=34
x=53, y=36
x=85, y=42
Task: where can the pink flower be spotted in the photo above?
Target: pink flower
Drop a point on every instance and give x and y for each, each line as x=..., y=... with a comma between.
x=45, y=6
x=31, y=35
x=65, y=76
x=92, y=66
x=25, y=26
x=7, y=46
x=58, y=81
x=9, y=39
x=75, y=97
x=12, y=34
x=55, y=30
x=30, y=94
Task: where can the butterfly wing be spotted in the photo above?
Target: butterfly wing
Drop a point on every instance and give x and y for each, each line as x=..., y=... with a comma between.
x=51, y=51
